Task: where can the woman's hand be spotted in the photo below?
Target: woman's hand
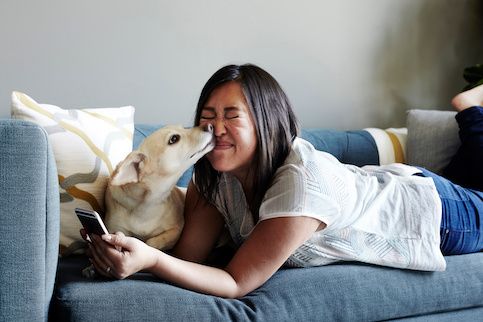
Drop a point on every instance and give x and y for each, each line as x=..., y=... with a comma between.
x=119, y=256
x=269, y=245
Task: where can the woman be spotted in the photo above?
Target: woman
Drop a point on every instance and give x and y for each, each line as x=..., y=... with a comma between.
x=286, y=203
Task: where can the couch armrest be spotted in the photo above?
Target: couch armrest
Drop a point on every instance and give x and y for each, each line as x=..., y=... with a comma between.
x=29, y=221
x=432, y=138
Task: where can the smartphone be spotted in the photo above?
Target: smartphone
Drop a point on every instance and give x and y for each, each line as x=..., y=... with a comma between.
x=91, y=221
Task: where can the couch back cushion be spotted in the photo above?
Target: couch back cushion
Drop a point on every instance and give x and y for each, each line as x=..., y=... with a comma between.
x=352, y=147
x=432, y=138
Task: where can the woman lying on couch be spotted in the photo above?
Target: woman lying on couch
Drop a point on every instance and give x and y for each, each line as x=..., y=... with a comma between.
x=286, y=203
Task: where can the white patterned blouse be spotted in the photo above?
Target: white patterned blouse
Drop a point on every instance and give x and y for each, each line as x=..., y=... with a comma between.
x=377, y=214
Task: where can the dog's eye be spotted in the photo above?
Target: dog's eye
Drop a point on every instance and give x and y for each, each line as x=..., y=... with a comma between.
x=173, y=139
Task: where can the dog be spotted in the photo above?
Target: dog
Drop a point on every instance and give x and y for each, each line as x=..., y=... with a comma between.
x=141, y=198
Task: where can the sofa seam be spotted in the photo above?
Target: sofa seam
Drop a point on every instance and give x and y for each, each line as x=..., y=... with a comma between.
x=47, y=208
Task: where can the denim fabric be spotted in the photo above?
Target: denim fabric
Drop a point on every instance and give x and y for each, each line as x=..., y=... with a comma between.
x=462, y=216
x=338, y=292
x=466, y=167
x=29, y=222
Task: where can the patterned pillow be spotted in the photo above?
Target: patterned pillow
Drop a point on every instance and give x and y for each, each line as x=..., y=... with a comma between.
x=87, y=145
x=391, y=144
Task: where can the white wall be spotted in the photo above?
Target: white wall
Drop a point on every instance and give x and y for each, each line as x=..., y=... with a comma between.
x=344, y=64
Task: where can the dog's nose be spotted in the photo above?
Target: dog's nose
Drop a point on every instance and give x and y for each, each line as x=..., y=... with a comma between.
x=208, y=128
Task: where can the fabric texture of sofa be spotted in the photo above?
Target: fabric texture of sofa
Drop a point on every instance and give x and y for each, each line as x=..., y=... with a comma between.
x=37, y=286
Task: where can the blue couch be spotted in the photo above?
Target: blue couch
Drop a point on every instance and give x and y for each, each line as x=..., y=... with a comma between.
x=37, y=286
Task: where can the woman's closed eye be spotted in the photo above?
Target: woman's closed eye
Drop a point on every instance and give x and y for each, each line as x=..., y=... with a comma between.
x=207, y=117
x=230, y=116
x=208, y=114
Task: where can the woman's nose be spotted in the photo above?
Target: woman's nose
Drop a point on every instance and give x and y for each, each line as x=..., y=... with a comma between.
x=219, y=126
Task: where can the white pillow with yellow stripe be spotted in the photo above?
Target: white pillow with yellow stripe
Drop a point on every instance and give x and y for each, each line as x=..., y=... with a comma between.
x=391, y=144
x=87, y=144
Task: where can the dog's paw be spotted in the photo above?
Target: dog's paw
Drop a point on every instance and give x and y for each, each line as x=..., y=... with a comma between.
x=89, y=272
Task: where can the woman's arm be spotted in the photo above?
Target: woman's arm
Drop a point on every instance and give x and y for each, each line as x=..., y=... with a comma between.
x=263, y=253
x=202, y=228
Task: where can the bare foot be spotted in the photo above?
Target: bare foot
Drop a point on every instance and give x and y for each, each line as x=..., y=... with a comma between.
x=469, y=98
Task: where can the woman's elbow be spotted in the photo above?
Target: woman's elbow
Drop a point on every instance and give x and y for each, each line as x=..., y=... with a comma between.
x=236, y=293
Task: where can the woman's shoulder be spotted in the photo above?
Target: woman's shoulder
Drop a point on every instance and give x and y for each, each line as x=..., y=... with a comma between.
x=304, y=160
x=303, y=151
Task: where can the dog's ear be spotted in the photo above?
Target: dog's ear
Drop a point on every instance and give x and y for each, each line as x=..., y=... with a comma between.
x=128, y=170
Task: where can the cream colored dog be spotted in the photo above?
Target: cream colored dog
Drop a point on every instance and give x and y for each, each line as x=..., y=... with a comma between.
x=142, y=199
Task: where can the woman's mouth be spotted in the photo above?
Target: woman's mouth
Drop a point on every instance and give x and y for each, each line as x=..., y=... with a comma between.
x=222, y=145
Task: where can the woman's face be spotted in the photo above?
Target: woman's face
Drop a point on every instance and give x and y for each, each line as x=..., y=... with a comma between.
x=236, y=141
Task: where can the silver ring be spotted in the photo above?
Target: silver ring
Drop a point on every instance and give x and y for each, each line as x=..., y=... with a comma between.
x=108, y=269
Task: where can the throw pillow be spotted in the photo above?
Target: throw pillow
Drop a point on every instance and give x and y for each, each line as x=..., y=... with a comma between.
x=87, y=144
x=391, y=144
x=432, y=138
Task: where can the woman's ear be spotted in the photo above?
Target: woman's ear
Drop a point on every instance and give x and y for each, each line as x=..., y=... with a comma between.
x=128, y=170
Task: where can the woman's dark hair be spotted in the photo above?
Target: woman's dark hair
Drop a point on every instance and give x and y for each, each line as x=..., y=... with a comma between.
x=275, y=123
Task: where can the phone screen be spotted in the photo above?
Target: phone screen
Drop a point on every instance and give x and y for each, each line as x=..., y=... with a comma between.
x=91, y=221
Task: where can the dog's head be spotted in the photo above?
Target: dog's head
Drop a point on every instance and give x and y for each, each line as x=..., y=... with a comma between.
x=164, y=155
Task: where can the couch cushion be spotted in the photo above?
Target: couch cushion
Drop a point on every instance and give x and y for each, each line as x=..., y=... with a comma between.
x=432, y=138
x=352, y=147
x=87, y=145
x=345, y=291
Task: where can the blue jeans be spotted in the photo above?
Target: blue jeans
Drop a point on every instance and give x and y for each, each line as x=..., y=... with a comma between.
x=466, y=167
x=461, y=195
x=462, y=216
